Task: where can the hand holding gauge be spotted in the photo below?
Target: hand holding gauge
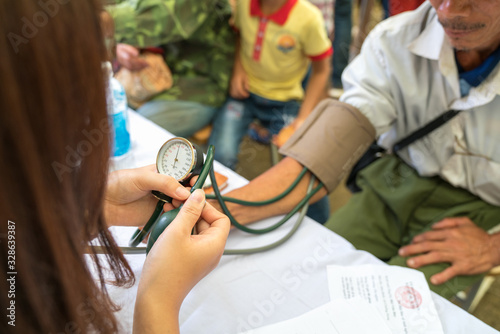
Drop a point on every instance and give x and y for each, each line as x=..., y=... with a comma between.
x=181, y=160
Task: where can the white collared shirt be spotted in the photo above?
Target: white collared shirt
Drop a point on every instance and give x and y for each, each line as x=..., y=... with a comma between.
x=405, y=77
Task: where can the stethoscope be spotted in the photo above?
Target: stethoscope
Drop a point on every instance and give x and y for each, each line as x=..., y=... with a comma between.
x=182, y=160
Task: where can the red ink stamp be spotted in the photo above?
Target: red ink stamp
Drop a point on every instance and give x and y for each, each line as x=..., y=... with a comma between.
x=408, y=297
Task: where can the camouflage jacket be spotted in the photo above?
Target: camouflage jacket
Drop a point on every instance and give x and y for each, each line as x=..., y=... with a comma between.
x=196, y=36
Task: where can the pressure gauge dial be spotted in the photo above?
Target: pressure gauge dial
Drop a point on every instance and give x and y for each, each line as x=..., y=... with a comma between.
x=178, y=158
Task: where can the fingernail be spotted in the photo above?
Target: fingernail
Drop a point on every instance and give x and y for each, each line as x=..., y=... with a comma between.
x=182, y=192
x=401, y=252
x=198, y=196
x=434, y=281
x=411, y=262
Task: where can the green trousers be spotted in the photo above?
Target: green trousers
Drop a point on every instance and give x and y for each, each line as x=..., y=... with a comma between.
x=396, y=204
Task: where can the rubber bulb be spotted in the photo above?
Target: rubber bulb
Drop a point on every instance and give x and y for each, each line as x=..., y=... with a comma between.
x=160, y=226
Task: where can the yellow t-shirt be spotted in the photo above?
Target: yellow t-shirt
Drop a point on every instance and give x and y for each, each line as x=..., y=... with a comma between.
x=275, y=50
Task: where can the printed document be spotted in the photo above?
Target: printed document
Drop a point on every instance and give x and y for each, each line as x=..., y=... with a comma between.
x=337, y=317
x=401, y=295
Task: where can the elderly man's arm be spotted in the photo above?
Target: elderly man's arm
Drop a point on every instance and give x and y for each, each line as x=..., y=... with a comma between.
x=329, y=142
x=270, y=184
x=458, y=241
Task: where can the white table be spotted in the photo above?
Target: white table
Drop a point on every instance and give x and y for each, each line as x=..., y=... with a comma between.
x=249, y=291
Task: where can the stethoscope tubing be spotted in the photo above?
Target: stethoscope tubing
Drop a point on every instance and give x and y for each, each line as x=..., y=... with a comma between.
x=300, y=219
x=140, y=234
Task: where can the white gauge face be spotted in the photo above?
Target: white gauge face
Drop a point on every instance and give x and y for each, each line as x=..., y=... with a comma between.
x=176, y=158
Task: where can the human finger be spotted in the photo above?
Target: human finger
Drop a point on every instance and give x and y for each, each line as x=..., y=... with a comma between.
x=147, y=181
x=128, y=49
x=419, y=248
x=212, y=218
x=431, y=236
x=128, y=56
x=124, y=53
x=236, y=89
x=212, y=238
x=137, y=63
x=284, y=135
x=168, y=207
x=445, y=275
x=280, y=139
x=189, y=213
x=426, y=259
x=176, y=203
x=193, y=180
x=274, y=140
x=451, y=222
x=246, y=87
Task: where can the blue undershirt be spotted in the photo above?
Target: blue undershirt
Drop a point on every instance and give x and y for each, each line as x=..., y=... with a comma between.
x=474, y=77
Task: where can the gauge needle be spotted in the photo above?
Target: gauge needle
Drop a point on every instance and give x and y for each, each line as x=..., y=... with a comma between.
x=175, y=160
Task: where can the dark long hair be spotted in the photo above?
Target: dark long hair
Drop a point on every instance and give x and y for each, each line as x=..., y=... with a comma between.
x=54, y=151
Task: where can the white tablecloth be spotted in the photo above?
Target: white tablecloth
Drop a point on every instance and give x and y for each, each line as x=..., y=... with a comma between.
x=250, y=291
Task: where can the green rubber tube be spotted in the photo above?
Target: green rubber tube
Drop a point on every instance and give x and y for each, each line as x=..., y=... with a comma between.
x=140, y=234
x=265, y=202
x=267, y=229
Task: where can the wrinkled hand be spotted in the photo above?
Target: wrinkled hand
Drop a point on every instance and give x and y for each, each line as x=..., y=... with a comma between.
x=281, y=138
x=128, y=57
x=177, y=261
x=458, y=241
x=128, y=200
x=239, y=87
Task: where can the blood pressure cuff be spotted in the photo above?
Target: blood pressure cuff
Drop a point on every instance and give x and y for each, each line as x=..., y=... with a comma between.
x=331, y=140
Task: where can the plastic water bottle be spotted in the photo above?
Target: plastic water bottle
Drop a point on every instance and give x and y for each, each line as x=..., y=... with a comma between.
x=117, y=111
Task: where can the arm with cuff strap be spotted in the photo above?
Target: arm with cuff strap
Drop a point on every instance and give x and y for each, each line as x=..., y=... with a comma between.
x=329, y=142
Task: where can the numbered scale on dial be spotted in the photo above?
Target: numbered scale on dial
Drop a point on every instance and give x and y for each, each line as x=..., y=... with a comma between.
x=176, y=158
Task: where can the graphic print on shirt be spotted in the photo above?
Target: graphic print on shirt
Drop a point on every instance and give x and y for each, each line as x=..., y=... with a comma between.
x=285, y=42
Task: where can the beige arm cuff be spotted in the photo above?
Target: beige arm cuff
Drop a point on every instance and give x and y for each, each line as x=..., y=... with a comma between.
x=331, y=141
